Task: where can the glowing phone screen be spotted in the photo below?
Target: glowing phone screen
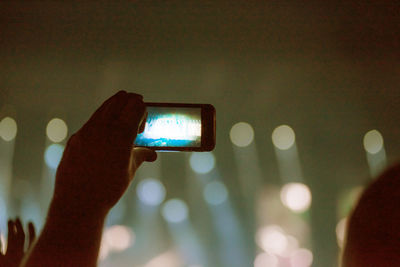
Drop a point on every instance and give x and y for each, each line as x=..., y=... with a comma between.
x=171, y=127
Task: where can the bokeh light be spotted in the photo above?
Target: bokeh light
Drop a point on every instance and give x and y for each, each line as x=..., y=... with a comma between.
x=56, y=130
x=151, y=192
x=341, y=231
x=3, y=247
x=8, y=129
x=296, y=196
x=53, y=155
x=283, y=137
x=202, y=162
x=215, y=193
x=301, y=258
x=373, y=142
x=266, y=260
x=175, y=211
x=119, y=237
x=241, y=134
x=272, y=239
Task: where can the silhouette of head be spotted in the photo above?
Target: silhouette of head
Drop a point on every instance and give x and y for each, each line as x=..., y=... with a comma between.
x=373, y=231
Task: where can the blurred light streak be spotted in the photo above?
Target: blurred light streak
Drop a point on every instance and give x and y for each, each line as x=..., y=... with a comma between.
x=249, y=172
x=56, y=130
x=6, y=162
x=52, y=156
x=215, y=193
x=185, y=237
x=167, y=259
x=289, y=165
x=233, y=249
x=375, y=152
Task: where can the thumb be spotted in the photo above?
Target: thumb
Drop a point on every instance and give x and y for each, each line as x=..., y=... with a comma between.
x=141, y=154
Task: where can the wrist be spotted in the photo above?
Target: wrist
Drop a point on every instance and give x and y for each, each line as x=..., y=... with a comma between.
x=70, y=212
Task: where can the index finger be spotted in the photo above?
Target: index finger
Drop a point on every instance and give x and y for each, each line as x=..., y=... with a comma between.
x=128, y=122
x=31, y=234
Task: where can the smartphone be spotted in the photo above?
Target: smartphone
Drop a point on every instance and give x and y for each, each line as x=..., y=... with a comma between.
x=178, y=127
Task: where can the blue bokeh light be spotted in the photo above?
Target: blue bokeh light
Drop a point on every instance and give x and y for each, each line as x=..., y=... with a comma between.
x=53, y=155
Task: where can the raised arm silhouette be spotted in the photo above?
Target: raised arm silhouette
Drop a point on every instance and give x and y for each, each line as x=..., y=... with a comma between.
x=97, y=167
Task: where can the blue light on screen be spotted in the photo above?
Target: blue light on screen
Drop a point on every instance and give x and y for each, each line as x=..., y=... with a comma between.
x=171, y=127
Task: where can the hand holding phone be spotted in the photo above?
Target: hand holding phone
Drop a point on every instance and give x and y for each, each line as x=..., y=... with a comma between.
x=178, y=127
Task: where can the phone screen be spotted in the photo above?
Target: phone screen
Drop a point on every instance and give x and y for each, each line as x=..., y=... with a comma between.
x=171, y=127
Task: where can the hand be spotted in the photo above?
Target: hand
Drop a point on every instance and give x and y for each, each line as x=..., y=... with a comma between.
x=100, y=160
x=15, y=244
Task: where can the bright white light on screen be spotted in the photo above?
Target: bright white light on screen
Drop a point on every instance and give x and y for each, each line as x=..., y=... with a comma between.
x=53, y=155
x=301, y=258
x=296, y=196
x=341, y=231
x=242, y=134
x=56, y=130
x=215, y=193
x=202, y=162
x=175, y=211
x=178, y=127
x=8, y=129
x=150, y=192
x=266, y=260
x=373, y=142
x=272, y=239
x=283, y=137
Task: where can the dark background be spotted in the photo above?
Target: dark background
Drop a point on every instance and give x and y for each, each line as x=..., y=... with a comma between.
x=329, y=69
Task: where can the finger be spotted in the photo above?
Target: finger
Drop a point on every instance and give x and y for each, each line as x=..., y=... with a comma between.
x=129, y=120
x=31, y=233
x=105, y=104
x=16, y=243
x=11, y=233
x=143, y=123
x=141, y=154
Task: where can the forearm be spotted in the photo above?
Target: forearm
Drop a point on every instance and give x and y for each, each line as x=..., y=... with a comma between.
x=71, y=237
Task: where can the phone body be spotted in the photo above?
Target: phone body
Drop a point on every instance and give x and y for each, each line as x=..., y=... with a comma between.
x=178, y=127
